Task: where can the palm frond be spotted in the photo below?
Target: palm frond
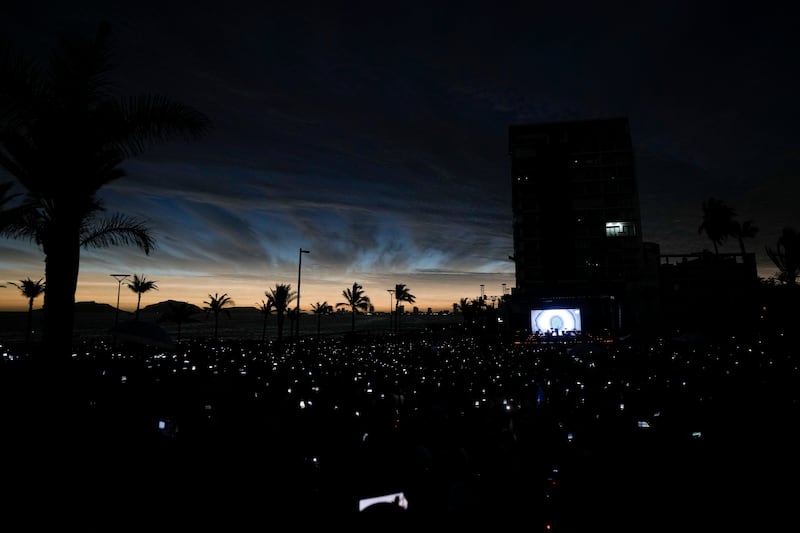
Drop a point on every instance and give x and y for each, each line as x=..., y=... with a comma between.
x=20, y=86
x=150, y=119
x=217, y=304
x=16, y=154
x=81, y=67
x=5, y=197
x=115, y=231
x=776, y=256
x=402, y=294
x=8, y=215
x=30, y=288
x=142, y=284
x=26, y=221
x=281, y=295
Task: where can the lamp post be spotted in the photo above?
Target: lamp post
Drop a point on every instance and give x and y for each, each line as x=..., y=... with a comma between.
x=391, y=292
x=297, y=310
x=120, y=278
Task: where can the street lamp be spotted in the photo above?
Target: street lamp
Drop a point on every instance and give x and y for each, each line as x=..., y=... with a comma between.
x=120, y=278
x=391, y=292
x=297, y=311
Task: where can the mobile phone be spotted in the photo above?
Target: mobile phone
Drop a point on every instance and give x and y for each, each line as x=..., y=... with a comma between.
x=392, y=498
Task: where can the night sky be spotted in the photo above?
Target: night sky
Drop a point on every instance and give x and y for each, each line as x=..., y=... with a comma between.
x=375, y=135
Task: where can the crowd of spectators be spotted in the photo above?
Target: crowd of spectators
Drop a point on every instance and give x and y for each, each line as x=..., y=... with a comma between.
x=627, y=435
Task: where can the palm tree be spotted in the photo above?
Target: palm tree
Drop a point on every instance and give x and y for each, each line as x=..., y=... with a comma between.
x=717, y=221
x=469, y=308
x=179, y=313
x=743, y=230
x=64, y=136
x=320, y=309
x=141, y=286
x=266, y=308
x=282, y=295
x=355, y=299
x=786, y=256
x=401, y=294
x=292, y=315
x=7, y=214
x=31, y=290
x=217, y=304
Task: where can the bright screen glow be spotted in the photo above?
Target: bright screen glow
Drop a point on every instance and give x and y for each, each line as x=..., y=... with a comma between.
x=620, y=229
x=555, y=320
x=397, y=498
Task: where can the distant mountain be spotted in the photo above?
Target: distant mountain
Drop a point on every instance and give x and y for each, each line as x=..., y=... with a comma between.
x=94, y=307
x=243, y=308
x=163, y=307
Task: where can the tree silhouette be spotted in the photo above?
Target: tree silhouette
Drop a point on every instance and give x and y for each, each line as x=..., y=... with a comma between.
x=401, y=294
x=292, y=315
x=282, y=295
x=786, y=256
x=266, y=308
x=140, y=286
x=470, y=309
x=320, y=309
x=717, y=221
x=356, y=300
x=178, y=313
x=64, y=136
x=31, y=290
x=217, y=304
x=743, y=230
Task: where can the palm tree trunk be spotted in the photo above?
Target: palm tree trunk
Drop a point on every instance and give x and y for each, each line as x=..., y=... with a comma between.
x=354, y=320
x=30, y=322
x=138, y=304
x=62, y=262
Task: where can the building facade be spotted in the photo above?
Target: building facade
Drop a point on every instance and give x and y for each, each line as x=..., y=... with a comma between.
x=578, y=248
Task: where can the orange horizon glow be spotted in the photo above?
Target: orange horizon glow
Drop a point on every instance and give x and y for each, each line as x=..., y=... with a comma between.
x=102, y=289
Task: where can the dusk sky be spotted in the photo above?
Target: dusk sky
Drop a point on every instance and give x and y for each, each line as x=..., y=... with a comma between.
x=375, y=135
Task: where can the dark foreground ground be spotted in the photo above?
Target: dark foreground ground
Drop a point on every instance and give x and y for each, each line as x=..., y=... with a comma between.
x=240, y=323
x=639, y=436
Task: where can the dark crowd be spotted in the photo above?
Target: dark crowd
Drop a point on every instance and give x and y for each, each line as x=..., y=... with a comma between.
x=435, y=426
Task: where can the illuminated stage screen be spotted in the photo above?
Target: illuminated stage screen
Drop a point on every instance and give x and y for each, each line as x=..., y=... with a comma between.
x=555, y=320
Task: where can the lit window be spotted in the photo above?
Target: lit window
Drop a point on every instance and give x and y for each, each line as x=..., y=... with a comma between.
x=620, y=229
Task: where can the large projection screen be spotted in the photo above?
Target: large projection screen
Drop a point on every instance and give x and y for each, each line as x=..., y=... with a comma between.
x=556, y=321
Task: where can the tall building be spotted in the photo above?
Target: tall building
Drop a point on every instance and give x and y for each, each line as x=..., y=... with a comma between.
x=578, y=248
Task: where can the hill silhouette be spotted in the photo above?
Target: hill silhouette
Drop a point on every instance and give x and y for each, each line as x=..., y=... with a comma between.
x=164, y=307
x=94, y=307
